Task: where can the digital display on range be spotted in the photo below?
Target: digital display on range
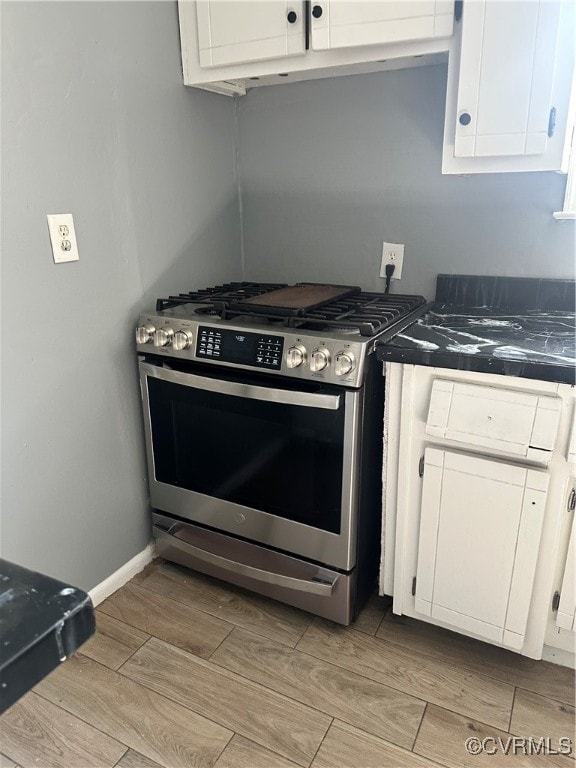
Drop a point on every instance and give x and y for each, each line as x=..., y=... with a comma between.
x=257, y=349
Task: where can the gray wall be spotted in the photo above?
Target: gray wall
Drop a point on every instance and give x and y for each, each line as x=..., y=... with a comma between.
x=331, y=168
x=96, y=122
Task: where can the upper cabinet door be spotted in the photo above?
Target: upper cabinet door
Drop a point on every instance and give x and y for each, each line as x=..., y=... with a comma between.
x=509, y=86
x=344, y=24
x=480, y=528
x=240, y=31
x=506, y=77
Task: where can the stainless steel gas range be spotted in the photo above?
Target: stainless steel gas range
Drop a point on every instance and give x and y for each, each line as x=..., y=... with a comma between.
x=263, y=420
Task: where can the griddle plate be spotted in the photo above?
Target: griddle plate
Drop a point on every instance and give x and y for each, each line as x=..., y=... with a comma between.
x=295, y=299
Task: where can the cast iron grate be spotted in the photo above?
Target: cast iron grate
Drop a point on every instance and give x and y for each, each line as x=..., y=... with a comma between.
x=363, y=313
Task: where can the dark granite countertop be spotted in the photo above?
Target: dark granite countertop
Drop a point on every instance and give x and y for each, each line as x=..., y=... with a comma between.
x=482, y=324
x=42, y=622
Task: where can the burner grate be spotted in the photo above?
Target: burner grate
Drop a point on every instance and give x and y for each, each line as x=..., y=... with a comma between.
x=368, y=313
x=363, y=313
x=221, y=296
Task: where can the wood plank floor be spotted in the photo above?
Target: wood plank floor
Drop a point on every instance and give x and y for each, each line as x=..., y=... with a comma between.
x=187, y=672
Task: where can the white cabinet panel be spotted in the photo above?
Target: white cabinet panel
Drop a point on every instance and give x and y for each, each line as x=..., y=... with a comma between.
x=343, y=24
x=509, y=83
x=474, y=550
x=506, y=77
x=515, y=422
x=234, y=32
x=571, y=455
x=231, y=45
x=479, y=537
x=566, y=616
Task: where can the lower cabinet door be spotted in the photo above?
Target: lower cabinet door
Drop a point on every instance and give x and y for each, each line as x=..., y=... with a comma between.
x=566, y=616
x=480, y=528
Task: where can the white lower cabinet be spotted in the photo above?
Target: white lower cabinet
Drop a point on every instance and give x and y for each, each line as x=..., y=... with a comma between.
x=480, y=519
x=561, y=627
x=475, y=504
x=566, y=616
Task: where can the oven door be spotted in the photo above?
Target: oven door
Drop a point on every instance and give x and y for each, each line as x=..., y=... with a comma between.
x=273, y=462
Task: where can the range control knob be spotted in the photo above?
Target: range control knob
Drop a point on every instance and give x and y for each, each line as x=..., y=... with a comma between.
x=163, y=337
x=344, y=363
x=319, y=360
x=296, y=356
x=144, y=334
x=182, y=340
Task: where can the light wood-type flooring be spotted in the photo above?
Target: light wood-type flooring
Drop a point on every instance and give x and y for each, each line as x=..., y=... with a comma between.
x=188, y=671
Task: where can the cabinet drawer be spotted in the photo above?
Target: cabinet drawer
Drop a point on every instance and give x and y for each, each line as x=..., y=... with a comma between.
x=518, y=423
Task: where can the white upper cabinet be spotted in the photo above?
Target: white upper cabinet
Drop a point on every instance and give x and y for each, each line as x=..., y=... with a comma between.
x=234, y=32
x=342, y=24
x=509, y=84
x=507, y=109
x=231, y=45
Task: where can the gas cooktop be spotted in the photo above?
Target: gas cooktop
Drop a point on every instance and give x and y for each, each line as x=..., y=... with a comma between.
x=353, y=311
x=305, y=330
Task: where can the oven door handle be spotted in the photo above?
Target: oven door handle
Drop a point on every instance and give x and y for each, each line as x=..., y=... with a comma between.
x=171, y=539
x=237, y=389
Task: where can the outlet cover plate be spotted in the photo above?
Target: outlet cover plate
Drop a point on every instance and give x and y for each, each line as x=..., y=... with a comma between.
x=63, y=237
x=392, y=253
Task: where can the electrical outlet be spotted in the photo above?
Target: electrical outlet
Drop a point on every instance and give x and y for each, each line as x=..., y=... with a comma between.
x=62, y=237
x=392, y=253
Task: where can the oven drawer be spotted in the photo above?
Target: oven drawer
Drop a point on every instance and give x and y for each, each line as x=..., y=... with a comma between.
x=323, y=591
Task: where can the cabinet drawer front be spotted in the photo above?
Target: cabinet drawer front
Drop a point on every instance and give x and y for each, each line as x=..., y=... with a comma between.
x=480, y=528
x=518, y=423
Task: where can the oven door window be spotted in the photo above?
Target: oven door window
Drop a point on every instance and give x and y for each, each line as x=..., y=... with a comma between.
x=282, y=459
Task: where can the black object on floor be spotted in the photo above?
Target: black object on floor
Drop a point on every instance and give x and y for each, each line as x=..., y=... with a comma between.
x=42, y=622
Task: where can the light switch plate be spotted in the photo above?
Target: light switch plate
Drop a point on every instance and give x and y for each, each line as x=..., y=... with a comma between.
x=62, y=237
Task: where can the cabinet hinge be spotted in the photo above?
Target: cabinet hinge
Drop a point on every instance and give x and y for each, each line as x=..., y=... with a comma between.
x=555, y=601
x=421, y=467
x=458, y=9
x=413, y=586
x=572, y=500
x=552, y=122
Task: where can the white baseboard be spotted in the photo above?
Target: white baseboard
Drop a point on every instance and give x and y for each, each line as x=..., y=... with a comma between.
x=559, y=656
x=117, y=579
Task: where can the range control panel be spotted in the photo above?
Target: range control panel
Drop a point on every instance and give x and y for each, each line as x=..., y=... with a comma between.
x=240, y=347
x=301, y=354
